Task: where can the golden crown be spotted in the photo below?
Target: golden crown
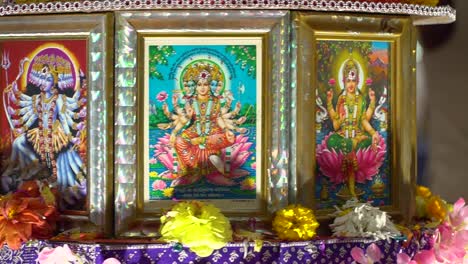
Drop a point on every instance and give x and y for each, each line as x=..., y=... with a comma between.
x=351, y=70
x=203, y=70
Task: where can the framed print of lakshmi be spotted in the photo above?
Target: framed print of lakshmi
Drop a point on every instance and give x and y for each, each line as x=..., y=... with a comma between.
x=203, y=120
x=355, y=103
x=352, y=120
x=54, y=119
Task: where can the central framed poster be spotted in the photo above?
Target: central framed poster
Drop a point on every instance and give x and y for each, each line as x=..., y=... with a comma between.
x=201, y=114
x=202, y=121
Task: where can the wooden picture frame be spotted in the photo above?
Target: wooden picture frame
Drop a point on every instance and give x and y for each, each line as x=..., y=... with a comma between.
x=161, y=54
x=355, y=105
x=56, y=90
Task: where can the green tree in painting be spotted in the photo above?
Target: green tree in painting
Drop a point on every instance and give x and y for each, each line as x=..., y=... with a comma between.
x=246, y=57
x=158, y=117
x=158, y=56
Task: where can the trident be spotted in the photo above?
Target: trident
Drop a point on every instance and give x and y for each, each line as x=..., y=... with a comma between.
x=6, y=65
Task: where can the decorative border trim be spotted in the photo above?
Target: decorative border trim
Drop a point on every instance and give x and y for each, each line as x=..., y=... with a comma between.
x=446, y=14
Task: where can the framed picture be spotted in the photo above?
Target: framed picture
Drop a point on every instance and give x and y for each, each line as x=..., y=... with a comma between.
x=355, y=100
x=54, y=117
x=201, y=128
x=194, y=114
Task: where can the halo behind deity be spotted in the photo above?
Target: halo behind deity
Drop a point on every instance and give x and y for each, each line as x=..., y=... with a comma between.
x=361, y=74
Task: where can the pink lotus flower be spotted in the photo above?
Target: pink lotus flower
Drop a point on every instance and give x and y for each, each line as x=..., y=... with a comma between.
x=56, y=255
x=422, y=257
x=162, y=96
x=369, y=81
x=239, y=155
x=153, y=161
x=159, y=185
x=331, y=82
x=451, y=240
x=368, y=161
x=111, y=261
x=459, y=215
x=450, y=244
x=372, y=254
x=403, y=258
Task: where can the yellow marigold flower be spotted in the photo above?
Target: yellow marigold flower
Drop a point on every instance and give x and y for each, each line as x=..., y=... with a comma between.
x=295, y=222
x=153, y=174
x=436, y=208
x=423, y=191
x=202, y=227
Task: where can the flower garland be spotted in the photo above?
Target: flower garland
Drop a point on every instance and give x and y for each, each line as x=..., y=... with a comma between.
x=351, y=105
x=295, y=222
x=201, y=227
x=45, y=141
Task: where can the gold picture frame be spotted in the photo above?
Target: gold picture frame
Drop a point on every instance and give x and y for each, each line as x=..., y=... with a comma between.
x=158, y=55
x=356, y=93
x=71, y=51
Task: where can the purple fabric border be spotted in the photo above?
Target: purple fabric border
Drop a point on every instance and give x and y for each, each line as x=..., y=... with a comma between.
x=315, y=251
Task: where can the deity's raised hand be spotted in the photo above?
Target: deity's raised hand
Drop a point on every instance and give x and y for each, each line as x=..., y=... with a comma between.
x=11, y=111
x=82, y=113
x=228, y=103
x=241, y=120
x=175, y=98
x=166, y=110
x=75, y=141
x=237, y=109
x=80, y=126
x=189, y=110
x=16, y=122
x=375, y=140
x=329, y=96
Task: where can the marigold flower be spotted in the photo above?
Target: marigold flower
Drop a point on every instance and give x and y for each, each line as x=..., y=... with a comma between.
x=436, y=208
x=295, y=222
x=202, y=227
